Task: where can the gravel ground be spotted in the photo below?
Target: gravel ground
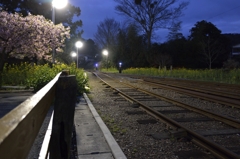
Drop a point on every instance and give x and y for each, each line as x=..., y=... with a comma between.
x=136, y=140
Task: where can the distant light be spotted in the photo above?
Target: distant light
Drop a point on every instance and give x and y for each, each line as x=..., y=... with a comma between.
x=105, y=52
x=96, y=65
x=120, y=64
x=59, y=4
x=78, y=44
x=73, y=54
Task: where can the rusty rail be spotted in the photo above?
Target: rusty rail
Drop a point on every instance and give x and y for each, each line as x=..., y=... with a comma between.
x=20, y=127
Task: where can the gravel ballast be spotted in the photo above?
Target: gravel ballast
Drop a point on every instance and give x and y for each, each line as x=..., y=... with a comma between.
x=136, y=140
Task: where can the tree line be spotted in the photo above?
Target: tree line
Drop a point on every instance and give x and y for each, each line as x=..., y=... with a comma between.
x=206, y=47
x=132, y=43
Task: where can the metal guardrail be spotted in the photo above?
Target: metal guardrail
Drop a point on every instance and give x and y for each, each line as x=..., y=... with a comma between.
x=20, y=127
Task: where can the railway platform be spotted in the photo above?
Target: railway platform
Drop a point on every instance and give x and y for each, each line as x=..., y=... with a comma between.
x=93, y=138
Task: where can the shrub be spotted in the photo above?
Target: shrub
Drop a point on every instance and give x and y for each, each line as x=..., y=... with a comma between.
x=37, y=76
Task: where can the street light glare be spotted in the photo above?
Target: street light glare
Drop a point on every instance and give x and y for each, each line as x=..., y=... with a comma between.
x=59, y=4
x=79, y=44
x=73, y=54
x=105, y=52
x=56, y=4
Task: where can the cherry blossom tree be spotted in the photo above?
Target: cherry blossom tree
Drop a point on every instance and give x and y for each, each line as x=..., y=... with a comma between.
x=30, y=36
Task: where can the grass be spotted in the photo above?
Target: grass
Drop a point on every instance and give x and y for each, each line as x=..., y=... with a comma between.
x=214, y=75
x=114, y=127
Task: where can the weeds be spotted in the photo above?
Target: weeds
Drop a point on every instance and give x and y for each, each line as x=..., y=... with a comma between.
x=114, y=127
x=215, y=75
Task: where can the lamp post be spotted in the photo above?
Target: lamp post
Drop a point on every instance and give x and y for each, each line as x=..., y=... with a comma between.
x=105, y=52
x=96, y=66
x=73, y=54
x=78, y=44
x=120, y=67
x=59, y=4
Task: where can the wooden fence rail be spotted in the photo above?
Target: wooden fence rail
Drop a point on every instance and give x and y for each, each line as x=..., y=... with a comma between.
x=19, y=128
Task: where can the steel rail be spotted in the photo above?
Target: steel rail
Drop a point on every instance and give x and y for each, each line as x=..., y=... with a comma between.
x=200, y=94
x=226, y=120
x=229, y=121
x=205, y=83
x=200, y=140
x=208, y=90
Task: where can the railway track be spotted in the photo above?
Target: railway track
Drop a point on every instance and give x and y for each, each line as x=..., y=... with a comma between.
x=227, y=94
x=183, y=118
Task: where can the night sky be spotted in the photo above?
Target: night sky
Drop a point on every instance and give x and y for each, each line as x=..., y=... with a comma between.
x=224, y=14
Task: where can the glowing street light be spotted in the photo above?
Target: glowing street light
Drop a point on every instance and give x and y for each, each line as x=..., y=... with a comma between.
x=105, y=52
x=78, y=45
x=120, y=67
x=59, y=4
x=96, y=66
x=73, y=54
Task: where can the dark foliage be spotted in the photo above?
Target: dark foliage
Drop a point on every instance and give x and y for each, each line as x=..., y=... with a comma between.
x=138, y=1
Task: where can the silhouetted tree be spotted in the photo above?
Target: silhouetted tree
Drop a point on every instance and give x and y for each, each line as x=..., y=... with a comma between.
x=208, y=37
x=106, y=36
x=138, y=1
x=130, y=48
x=107, y=31
x=159, y=58
x=152, y=14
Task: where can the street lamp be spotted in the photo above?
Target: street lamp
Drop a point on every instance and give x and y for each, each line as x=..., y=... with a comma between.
x=73, y=54
x=120, y=67
x=59, y=4
x=96, y=66
x=78, y=44
x=105, y=52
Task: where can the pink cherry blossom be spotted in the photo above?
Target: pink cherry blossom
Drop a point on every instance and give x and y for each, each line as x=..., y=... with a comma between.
x=30, y=36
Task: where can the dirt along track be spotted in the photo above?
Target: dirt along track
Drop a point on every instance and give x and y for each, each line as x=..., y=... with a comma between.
x=143, y=136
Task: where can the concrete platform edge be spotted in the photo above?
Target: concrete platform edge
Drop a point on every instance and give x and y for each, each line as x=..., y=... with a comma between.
x=116, y=150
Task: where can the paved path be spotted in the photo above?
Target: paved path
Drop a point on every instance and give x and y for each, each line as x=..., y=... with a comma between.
x=10, y=100
x=94, y=140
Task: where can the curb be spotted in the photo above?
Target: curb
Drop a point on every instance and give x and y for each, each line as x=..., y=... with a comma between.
x=116, y=150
